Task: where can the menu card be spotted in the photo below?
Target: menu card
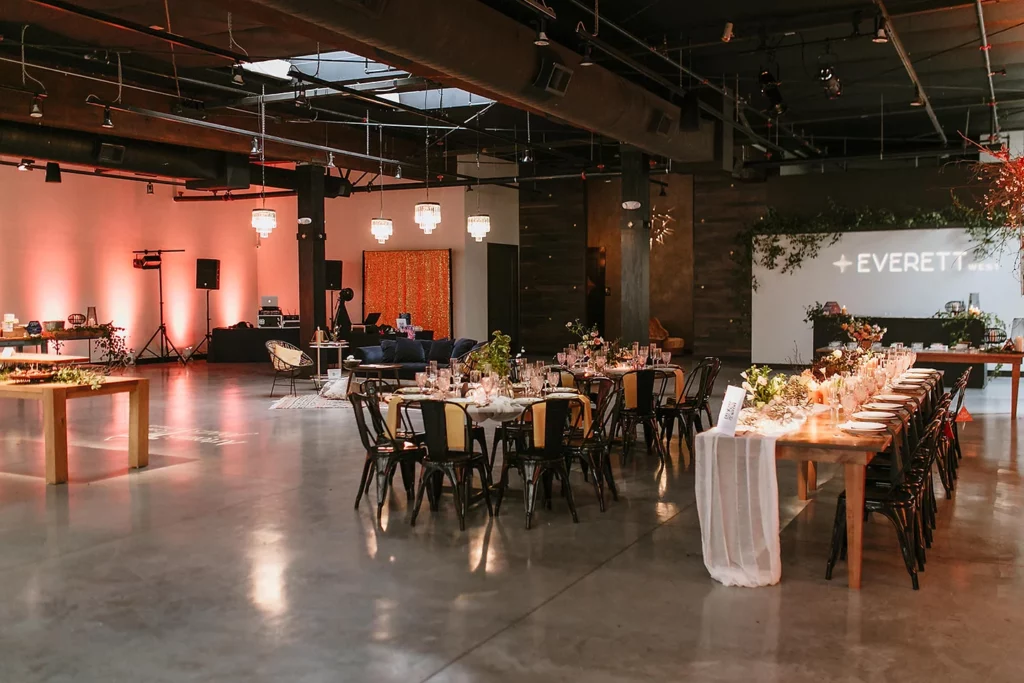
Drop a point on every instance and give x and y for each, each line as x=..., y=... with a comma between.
x=730, y=413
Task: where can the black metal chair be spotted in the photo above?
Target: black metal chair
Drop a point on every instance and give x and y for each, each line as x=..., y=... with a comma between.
x=384, y=452
x=287, y=359
x=449, y=454
x=642, y=393
x=592, y=448
x=539, y=462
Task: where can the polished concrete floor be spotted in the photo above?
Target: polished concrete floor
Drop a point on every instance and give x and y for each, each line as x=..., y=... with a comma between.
x=237, y=556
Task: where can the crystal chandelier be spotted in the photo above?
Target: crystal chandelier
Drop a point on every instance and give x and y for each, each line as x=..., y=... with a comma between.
x=479, y=225
x=428, y=213
x=382, y=229
x=264, y=220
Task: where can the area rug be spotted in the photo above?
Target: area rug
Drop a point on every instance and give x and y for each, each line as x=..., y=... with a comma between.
x=309, y=401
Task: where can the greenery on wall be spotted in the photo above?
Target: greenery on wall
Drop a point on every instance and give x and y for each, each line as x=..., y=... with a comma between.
x=784, y=242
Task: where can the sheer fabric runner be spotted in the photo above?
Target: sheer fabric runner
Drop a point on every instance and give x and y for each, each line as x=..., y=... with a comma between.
x=738, y=505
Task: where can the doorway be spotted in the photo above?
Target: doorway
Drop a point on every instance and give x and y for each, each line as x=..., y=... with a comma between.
x=503, y=290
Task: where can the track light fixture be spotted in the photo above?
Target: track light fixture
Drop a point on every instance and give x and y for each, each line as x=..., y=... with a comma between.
x=149, y=188
x=25, y=165
x=770, y=89
x=542, y=38
x=36, y=110
x=527, y=156
x=254, y=148
x=880, y=34
x=833, y=86
x=918, y=101
x=727, y=33
x=301, y=101
x=52, y=172
x=330, y=160
x=236, y=74
x=663, y=193
x=398, y=173
x=107, y=121
x=587, y=57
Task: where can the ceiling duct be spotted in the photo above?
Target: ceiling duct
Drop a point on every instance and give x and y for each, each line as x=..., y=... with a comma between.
x=467, y=43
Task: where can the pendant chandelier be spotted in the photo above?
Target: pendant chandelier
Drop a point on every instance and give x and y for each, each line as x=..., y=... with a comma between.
x=428, y=213
x=478, y=226
x=264, y=220
x=381, y=228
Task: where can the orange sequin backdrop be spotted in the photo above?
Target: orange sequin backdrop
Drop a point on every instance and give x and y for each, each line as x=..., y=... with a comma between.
x=416, y=282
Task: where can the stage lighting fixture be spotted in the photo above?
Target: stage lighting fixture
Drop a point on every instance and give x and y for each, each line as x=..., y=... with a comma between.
x=147, y=262
x=542, y=38
x=587, y=58
x=107, y=121
x=236, y=74
x=770, y=89
x=398, y=173
x=254, y=149
x=527, y=156
x=833, y=86
x=149, y=188
x=25, y=165
x=330, y=160
x=880, y=34
x=52, y=172
x=36, y=110
x=918, y=101
x=727, y=32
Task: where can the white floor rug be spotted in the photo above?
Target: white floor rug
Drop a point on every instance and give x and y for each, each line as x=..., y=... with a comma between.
x=308, y=401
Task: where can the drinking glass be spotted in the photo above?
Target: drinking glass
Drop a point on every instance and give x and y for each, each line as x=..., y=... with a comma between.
x=421, y=380
x=666, y=357
x=474, y=377
x=537, y=384
x=848, y=397
x=570, y=357
x=561, y=357
x=487, y=382
x=599, y=362
x=554, y=379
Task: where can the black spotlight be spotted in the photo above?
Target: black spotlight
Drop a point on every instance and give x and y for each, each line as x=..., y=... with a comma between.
x=833, y=86
x=25, y=165
x=149, y=188
x=147, y=262
x=770, y=89
x=52, y=172
x=236, y=74
x=107, y=121
x=587, y=57
x=880, y=33
x=36, y=110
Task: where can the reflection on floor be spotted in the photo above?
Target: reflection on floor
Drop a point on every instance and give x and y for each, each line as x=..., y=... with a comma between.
x=237, y=556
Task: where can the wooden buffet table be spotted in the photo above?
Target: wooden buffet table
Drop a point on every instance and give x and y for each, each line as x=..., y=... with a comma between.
x=816, y=441
x=969, y=358
x=54, y=398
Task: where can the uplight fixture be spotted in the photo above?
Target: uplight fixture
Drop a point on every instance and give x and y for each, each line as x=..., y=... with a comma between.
x=36, y=110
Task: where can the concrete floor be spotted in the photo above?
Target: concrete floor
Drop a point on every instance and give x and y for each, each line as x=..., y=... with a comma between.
x=237, y=556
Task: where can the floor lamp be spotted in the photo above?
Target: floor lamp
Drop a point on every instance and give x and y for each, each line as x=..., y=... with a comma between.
x=152, y=259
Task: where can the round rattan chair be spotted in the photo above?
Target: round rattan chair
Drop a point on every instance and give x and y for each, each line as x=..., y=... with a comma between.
x=289, y=360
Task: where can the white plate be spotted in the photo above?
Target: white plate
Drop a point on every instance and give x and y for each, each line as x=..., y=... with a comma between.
x=891, y=397
x=526, y=401
x=921, y=371
x=862, y=426
x=911, y=380
x=883, y=406
x=906, y=387
x=415, y=397
x=563, y=392
x=460, y=401
x=873, y=415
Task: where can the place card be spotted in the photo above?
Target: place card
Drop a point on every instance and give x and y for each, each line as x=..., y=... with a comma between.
x=729, y=416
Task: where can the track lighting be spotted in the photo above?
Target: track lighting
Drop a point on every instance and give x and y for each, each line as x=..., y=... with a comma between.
x=833, y=86
x=330, y=160
x=149, y=188
x=998, y=72
x=880, y=34
x=770, y=89
x=236, y=74
x=587, y=59
x=918, y=101
x=254, y=148
x=727, y=32
x=25, y=165
x=398, y=173
x=301, y=101
x=107, y=121
x=527, y=156
x=542, y=38
x=36, y=110
x=52, y=172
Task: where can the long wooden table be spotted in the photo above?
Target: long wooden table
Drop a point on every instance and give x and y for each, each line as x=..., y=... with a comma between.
x=969, y=358
x=816, y=441
x=41, y=359
x=54, y=398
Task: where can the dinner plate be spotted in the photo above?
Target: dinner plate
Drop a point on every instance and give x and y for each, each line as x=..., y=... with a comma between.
x=460, y=400
x=563, y=392
x=911, y=380
x=526, y=401
x=862, y=426
x=906, y=387
x=922, y=370
x=415, y=397
x=891, y=397
x=877, y=405
x=873, y=415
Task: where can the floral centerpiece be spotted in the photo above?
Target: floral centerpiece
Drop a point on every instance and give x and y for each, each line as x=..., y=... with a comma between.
x=836, y=363
x=761, y=385
x=776, y=397
x=863, y=332
x=960, y=325
x=590, y=339
x=495, y=354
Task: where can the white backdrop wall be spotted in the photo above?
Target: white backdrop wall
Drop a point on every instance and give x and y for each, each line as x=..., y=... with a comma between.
x=893, y=273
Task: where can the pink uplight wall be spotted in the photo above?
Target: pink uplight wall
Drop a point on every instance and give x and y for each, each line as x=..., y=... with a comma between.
x=67, y=246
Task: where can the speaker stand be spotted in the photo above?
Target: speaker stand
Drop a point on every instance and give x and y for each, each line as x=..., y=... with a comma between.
x=207, y=339
x=166, y=346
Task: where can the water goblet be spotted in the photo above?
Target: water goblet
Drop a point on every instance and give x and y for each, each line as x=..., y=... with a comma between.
x=487, y=382
x=474, y=377
x=561, y=357
x=666, y=357
x=421, y=380
x=554, y=379
x=537, y=384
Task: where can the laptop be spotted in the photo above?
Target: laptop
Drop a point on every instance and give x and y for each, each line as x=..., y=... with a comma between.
x=371, y=319
x=268, y=302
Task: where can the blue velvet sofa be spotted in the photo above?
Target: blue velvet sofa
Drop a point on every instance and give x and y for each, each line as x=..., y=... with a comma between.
x=414, y=354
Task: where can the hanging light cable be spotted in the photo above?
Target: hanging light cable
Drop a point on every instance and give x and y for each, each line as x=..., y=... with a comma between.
x=381, y=228
x=264, y=220
x=427, y=213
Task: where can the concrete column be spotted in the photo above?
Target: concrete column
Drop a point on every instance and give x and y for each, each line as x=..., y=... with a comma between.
x=635, y=235
x=311, y=238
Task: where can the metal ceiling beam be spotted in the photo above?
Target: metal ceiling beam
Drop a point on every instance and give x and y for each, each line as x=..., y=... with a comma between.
x=894, y=38
x=985, y=49
x=919, y=154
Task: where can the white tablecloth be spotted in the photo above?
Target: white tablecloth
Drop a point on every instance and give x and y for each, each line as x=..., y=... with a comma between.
x=738, y=504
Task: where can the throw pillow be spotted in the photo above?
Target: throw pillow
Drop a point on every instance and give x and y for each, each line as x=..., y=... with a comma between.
x=462, y=347
x=441, y=351
x=408, y=351
x=372, y=354
x=388, y=345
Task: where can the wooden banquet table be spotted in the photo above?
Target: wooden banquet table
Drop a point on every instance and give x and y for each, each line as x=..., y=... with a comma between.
x=41, y=358
x=971, y=357
x=54, y=398
x=816, y=441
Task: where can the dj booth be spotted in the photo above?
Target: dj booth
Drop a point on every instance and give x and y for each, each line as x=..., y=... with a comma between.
x=247, y=344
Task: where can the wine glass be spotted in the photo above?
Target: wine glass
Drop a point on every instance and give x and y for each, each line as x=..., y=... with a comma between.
x=474, y=377
x=421, y=380
x=666, y=357
x=554, y=379
x=848, y=398
x=561, y=357
x=487, y=382
x=537, y=383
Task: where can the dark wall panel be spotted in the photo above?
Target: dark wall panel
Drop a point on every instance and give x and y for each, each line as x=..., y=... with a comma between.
x=552, y=263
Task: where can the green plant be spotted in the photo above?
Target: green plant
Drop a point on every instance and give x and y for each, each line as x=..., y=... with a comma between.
x=111, y=345
x=761, y=385
x=496, y=353
x=73, y=374
x=959, y=326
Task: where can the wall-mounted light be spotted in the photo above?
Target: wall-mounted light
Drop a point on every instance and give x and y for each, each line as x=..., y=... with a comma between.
x=25, y=165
